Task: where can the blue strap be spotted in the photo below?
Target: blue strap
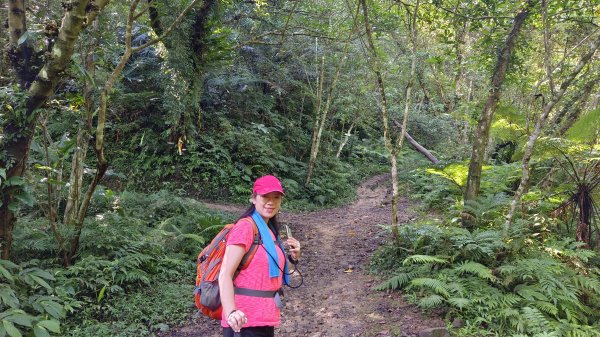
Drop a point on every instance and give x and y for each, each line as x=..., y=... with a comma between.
x=269, y=244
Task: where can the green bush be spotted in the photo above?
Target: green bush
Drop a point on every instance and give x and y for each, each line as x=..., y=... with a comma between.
x=502, y=285
x=133, y=275
x=31, y=302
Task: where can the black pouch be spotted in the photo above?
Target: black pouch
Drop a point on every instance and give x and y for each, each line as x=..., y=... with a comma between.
x=209, y=295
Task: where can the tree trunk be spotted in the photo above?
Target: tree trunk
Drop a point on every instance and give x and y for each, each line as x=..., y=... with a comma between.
x=318, y=116
x=345, y=137
x=320, y=125
x=102, y=163
x=459, y=47
x=385, y=121
x=411, y=78
x=483, y=128
x=538, y=130
x=17, y=148
x=25, y=61
x=81, y=147
x=322, y=115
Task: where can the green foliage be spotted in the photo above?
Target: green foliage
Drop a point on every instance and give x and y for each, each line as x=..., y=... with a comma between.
x=586, y=128
x=132, y=273
x=31, y=301
x=454, y=172
x=443, y=187
x=489, y=281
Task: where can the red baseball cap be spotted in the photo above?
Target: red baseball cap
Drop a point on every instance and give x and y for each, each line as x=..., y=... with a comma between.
x=267, y=184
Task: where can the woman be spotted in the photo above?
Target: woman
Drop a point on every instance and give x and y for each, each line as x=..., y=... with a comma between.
x=251, y=303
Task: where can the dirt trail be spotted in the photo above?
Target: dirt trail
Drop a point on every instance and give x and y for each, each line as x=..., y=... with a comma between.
x=337, y=299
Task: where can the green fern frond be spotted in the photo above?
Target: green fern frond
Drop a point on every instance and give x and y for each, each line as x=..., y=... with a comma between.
x=213, y=227
x=509, y=313
x=576, y=330
x=431, y=301
x=196, y=238
x=475, y=268
x=459, y=302
x=530, y=293
x=507, y=269
x=546, y=307
x=587, y=283
x=547, y=334
x=423, y=259
x=571, y=314
x=457, y=288
x=510, y=300
x=536, y=321
x=585, y=128
x=398, y=281
x=434, y=285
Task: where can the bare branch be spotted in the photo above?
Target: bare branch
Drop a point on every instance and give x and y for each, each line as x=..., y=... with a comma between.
x=169, y=30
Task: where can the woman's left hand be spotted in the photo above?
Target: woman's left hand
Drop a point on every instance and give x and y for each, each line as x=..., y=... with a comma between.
x=294, y=248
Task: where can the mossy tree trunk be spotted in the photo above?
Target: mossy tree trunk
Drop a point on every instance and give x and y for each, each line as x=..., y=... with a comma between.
x=40, y=87
x=481, y=136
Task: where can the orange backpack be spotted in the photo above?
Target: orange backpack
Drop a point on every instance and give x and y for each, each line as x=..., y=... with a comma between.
x=209, y=263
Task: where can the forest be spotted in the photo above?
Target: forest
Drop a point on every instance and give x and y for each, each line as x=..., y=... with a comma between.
x=120, y=119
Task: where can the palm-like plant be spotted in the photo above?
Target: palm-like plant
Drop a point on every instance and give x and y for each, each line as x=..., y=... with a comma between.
x=581, y=207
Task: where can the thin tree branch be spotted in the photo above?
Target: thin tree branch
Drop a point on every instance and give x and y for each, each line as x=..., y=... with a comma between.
x=547, y=64
x=169, y=30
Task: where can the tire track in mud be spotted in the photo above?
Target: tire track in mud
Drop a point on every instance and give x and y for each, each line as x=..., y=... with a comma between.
x=336, y=299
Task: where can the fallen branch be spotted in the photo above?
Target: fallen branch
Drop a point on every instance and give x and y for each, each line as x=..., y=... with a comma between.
x=422, y=150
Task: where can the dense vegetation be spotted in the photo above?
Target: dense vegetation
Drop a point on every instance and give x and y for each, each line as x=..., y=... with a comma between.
x=116, y=116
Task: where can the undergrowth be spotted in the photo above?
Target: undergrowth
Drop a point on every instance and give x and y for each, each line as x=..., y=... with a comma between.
x=133, y=276
x=532, y=279
x=501, y=285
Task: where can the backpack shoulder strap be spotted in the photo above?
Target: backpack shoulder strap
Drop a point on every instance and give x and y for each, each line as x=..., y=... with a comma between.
x=257, y=241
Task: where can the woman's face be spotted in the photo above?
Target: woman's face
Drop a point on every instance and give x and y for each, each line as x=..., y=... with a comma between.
x=267, y=205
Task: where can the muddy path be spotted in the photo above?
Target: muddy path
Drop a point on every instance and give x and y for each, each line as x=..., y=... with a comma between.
x=337, y=298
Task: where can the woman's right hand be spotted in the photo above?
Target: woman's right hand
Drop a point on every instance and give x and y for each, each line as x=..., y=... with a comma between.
x=236, y=320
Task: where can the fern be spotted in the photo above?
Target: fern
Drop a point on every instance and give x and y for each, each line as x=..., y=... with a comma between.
x=423, y=259
x=457, y=287
x=587, y=284
x=509, y=313
x=477, y=269
x=536, y=320
x=459, y=302
x=530, y=293
x=434, y=285
x=479, y=245
x=547, y=334
x=546, y=307
x=540, y=291
x=398, y=281
x=431, y=301
x=487, y=207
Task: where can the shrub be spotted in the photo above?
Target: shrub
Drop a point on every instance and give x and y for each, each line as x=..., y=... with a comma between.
x=504, y=285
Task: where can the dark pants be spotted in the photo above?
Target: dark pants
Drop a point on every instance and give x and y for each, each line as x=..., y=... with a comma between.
x=259, y=331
